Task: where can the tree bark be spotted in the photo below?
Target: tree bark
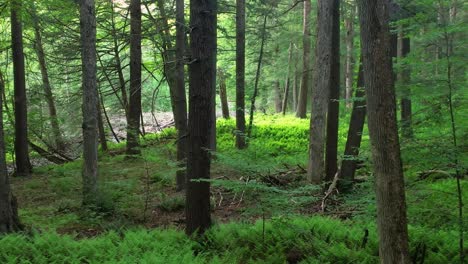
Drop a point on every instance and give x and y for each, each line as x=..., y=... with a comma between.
x=353, y=141
x=9, y=221
x=23, y=166
x=202, y=73
x=278, y=100
x=349, y=64
x=302, y=98
x=134, y=109
x=240, y=74
x=287, y=84
x=257, y=77
x=381, y=108
x=180, y=100
x=223, y=94
x=54, y=123
x=404, y=77
x=325, y=88
x=90, y=102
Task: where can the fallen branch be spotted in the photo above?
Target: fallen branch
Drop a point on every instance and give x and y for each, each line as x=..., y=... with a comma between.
x=331, y=189
x=47, y=155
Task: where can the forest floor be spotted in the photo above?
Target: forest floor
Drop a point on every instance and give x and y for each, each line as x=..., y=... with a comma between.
x=258, y=195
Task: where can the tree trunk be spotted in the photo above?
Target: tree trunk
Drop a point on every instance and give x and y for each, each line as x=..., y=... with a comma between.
x=134, y=109
x=349, y=64
x=59, y=144
x=180, y=99
x=287, y=84
x=381, y=108
x=23, y=166
x=9, y=221
x=278, y=100
x=90, y=97
x=404, y=77
x=353, y=141
x=202, y=72
x=257, y=77
x=302, y=100
x=324, y=95
x=240, y=74
x=223, y=94
x=102, y=132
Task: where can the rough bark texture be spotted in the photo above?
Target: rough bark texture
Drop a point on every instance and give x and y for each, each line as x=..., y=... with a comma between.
x=331, y=155
x=302, y=98
x=353, y=141
x=54, y=123
x=9, y=221
x=180, y=99
x=287, y=83
x=223, y=94
x=381, y=108
x=90, y=102
x=349, y=64
x=134, y=109
x=23, y=166
x=202, y=73
x=324, y=87
x=404, y=77
x=240, y=74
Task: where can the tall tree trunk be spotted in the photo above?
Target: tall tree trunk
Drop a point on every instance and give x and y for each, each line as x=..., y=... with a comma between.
x=257, y=77
x=240, y=74
x=404, y=77
x=202, y=72
x=381, y=108
x=9, y=221
x=102, y=132
x=23, y=166
x=180, y=99
x=223, y=94
x=302, y=100
x=278, y=100
x=331, y=155
x=174, y=73
x=325, y=88
x=118, y=63
x=353, y=141
x=90, y=97
x=349, y=64
x=134, y=109
x=287, y=84
x=59, y=144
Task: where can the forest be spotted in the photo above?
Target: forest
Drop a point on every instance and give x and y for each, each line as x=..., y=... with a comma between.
x=233, y=131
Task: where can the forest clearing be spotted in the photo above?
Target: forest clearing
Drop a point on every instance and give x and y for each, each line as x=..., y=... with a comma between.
x=233, y=131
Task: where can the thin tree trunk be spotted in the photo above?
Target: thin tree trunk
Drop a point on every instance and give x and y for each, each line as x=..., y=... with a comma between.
x=287, y=82
x=240, y=74
x=278, y=100
x=134, y=109
x=59, y=143
x=9, y=221
x=107, y=118
x=404, y=77
x=257, y=78
x=118, y=64
x=325, y=87
x=331, y=155
x=102, y=132
x=223, y=94
x=179, y=95
x=90, y=97
x=349, y=64
x=302, y=100
x=353, y=141
x=23, y=166
x=202, y=72
x=381, y=108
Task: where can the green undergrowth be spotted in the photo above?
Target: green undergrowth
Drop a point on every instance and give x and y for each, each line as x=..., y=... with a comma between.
x=59, y=231
x=308, y=240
